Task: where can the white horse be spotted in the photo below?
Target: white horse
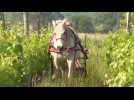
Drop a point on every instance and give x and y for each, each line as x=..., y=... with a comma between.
x=64, y=45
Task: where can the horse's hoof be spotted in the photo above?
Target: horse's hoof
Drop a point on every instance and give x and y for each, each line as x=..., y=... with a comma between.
x=53, y=77
x=83, y=71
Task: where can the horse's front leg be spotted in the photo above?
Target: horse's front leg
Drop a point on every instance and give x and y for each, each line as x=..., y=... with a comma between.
x=70, y=63
x=55, y=63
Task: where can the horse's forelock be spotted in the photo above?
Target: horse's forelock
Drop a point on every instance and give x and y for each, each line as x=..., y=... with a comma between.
x=59, y=28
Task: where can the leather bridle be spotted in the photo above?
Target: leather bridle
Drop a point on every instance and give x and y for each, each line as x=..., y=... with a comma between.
x=69, y=50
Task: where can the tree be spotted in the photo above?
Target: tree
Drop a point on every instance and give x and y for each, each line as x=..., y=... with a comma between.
x=2, y=18
x=26, y=23
x=38, y=25
x=82, y=23
x=13, y=17
x=52, y=17
x=128, y=23
x=116, y=15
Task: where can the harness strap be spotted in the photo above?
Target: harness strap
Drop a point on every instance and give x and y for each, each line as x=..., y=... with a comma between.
x=69, y=50
x=50, y=43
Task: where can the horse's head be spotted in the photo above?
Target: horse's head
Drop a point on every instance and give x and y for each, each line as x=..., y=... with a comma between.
x=61, y=36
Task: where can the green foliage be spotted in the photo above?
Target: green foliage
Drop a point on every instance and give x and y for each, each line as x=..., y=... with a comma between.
x=104, y=22
x=82, y=23
x=13, y=18
x=92, y=21
x=21, y=57
x=45, y=17
x=120, y=59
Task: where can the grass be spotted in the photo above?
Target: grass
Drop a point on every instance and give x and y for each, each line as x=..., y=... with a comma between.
x=96, y=67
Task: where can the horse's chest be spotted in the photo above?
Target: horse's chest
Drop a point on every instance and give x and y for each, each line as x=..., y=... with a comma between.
x=61, y=56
